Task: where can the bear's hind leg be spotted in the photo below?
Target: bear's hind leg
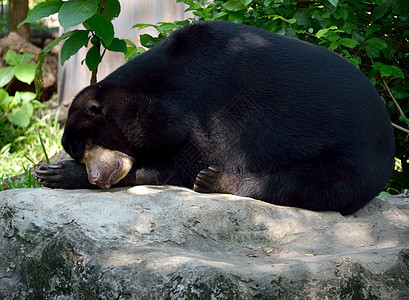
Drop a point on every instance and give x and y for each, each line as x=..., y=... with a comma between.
x=214, y=180
x=207, y=181
x=314, y=185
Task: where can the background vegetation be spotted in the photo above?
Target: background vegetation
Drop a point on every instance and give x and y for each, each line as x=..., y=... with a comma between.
x=373, y=35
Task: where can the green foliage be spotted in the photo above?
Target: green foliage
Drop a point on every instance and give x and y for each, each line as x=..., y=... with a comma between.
x=18, y=66
x=47, y=160
x=21, y=117
x=25, y=181
x=95, y=15
x=18, y=144
x=17, y=109
x=163, y=28
x=373, y=35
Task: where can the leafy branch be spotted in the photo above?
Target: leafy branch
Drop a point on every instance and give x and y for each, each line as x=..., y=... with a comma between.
x=95, y=16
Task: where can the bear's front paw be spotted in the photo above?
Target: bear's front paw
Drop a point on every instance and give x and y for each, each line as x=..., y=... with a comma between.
x=67, y=174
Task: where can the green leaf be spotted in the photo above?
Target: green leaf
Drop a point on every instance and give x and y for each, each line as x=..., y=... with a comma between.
x=347, y=27
x=332, y=36
x=129, y=43
x=380, y=11
x=112, y=9
x=42, y=10
x=236, y=17
x=343, y=13
x=386, y=71
x=6, y=75
x=75, y=12
x=18, y=117
x=303, y=19
x=199, y=14
x=377, y=65
x=333, y=2
x=3, y=94
x=184, y=22
x=372, y=52
x=326, y=15
x=118, y=45
x=321, y=32
x=25, y=73
x=147, y=40
x=333, y=45
x=27, y=96
x=28, y=108
x=93, y=58
x=142, y=26
x=246, y=2
x=377, y=43
x=219, y=15
x=11, y=58
x=347, y=42
x=397, y=92
x=193, y=6
x=356, y=62
x=166, y=27
x=291, y=21
x=397, y=72
x=54, y=43
x=102, y=28
x=132, y=50
x=233, y=5
x=357, y=36
x=73, y=44
x=402, y=118
x=371, y=29
x=24, y=58
x=4, y=99
x=47, y=160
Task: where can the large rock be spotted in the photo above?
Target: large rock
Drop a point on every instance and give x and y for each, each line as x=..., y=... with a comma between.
x=171, y=243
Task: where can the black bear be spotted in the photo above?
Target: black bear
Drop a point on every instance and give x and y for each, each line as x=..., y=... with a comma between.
x=227, y=108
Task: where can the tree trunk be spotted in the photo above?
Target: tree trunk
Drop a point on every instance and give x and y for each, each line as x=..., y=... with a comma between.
x=18, y=10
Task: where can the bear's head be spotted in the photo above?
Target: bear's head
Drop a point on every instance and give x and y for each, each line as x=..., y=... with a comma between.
x=92, y=122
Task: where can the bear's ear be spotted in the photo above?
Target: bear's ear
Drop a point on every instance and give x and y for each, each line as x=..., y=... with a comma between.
x=93, y=108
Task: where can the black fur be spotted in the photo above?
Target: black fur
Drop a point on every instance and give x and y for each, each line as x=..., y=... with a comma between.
x=274, y=118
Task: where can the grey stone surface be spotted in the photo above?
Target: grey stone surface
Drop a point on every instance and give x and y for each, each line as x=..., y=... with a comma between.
x=151, y=242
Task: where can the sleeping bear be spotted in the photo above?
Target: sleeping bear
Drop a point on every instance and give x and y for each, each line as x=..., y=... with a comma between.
x=227, y=108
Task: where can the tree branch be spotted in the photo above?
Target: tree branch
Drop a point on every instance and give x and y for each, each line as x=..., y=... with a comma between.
x=400, y=128
x=393, y=98
x=397, y=107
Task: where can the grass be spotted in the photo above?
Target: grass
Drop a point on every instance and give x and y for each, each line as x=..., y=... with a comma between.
x=20, y=148
x=25, y=181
